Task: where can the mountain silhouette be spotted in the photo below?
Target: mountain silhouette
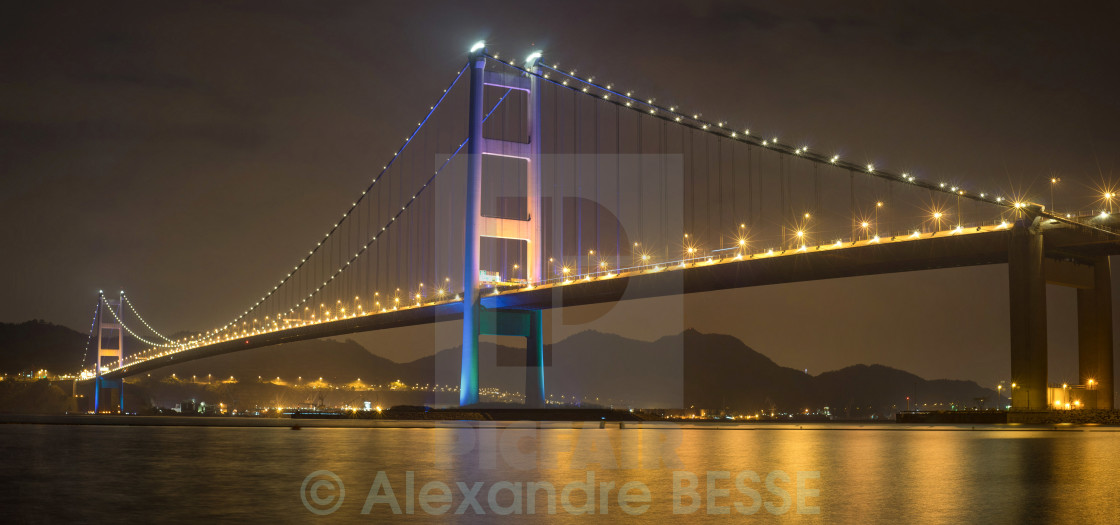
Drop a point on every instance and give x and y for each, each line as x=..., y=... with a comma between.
x=687, y=370
x=36, y=345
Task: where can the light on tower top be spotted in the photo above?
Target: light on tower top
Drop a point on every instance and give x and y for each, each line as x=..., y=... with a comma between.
x=532, y=59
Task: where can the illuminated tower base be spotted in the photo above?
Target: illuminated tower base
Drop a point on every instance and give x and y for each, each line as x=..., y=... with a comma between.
x=527, y=324
x=106, y=386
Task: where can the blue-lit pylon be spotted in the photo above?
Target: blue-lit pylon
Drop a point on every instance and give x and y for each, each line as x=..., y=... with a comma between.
x=527, y=323
x=117, y=351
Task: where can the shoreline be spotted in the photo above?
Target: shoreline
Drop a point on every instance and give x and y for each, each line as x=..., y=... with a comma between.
x=295, y=424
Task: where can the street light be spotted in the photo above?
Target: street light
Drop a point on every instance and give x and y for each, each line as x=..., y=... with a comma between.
x=1053, y=182
x=741, y=240
x=959, y=208
x=1016, y=385
x=878, y=205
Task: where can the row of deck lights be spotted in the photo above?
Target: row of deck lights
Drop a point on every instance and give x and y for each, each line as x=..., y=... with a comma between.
x=691, y=254
x=325, y=315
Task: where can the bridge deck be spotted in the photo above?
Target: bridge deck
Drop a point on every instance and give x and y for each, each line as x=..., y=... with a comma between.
x=946, y=249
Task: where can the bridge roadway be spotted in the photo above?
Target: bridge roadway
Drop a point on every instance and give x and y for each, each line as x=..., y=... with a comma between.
x=1069, y=249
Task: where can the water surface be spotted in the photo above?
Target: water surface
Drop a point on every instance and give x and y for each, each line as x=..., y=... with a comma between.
x=848, y=474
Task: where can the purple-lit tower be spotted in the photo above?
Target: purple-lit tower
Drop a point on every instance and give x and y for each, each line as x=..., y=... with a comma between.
x=478, y=320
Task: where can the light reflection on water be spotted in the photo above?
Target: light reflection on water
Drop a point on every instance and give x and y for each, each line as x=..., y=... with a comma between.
x=879, y=473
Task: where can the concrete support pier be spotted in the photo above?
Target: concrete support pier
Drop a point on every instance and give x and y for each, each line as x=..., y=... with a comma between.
x=1094, y=334
x=1027, y=287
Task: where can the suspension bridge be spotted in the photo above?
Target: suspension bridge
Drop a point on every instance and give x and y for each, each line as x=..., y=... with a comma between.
x=527, y=187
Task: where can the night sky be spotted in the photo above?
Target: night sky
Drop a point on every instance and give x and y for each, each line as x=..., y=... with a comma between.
x=190, y=152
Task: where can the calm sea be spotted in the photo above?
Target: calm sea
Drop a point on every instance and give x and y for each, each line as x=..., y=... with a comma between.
x=564, y=472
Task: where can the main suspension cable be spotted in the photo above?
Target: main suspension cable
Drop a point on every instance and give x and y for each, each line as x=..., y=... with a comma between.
x=137, y=314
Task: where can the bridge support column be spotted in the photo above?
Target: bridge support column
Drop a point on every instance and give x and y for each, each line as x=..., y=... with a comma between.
x=472, y=305
x=1027, y=287
x=1094, y=334
x=534, y=361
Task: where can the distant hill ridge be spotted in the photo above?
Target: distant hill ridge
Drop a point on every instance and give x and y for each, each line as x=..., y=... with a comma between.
x=37, y=344
x=688, y=369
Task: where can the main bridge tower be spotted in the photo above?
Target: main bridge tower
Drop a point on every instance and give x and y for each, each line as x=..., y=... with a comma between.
x=503, y=322
x=110, y=343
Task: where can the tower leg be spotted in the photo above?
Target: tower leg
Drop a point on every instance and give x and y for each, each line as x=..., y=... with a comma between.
x=468, y=375
x=1094, y=334
x=96, y=395
x=1027, y=288
x=534, y=362
x=468, y=380
x=535, y=250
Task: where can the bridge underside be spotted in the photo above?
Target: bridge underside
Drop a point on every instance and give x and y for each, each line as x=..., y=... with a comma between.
x=1068, y=257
